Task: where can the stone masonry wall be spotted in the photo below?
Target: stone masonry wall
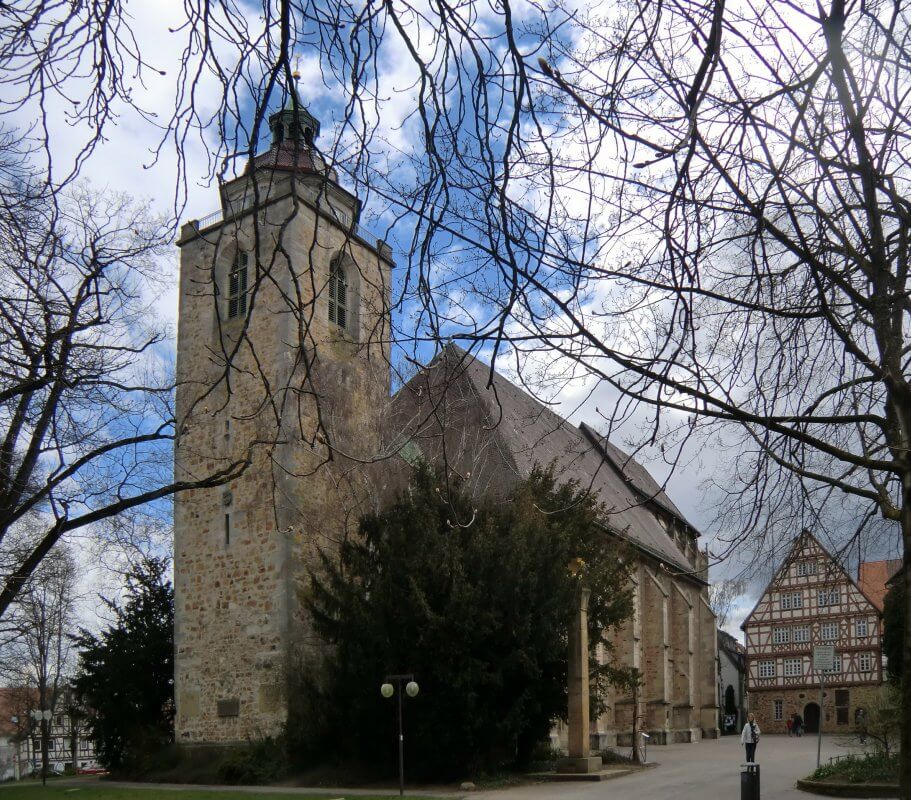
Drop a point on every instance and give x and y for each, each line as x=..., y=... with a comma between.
x=301, y=402
x=762, y=704
x=671, y=639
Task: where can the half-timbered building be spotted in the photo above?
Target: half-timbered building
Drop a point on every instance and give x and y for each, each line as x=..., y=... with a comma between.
x=812, y=601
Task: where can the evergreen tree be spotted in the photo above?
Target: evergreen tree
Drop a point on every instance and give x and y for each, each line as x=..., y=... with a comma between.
x=475, y=598
x=126, y=673
x=894, y=630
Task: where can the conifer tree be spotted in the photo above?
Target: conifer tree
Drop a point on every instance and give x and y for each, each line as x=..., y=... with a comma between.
x=473, y=596
x=126, y=673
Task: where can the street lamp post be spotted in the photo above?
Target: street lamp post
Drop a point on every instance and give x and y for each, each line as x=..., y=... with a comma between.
x=43, y=717
x=387, y=690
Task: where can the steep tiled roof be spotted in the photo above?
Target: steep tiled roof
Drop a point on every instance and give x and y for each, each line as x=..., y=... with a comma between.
x=872, y=577
x=634, y=473
x=729, y=643
x=525, y=433
x=290, y=155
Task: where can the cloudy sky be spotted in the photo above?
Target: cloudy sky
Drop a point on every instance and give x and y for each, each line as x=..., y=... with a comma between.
x=138, y=157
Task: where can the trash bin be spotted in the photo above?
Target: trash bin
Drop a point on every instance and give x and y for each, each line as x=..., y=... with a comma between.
x=749, y=782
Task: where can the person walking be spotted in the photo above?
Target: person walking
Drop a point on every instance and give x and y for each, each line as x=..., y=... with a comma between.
x=860, y=721
x=789, y=723
x=798, y=725
x=749, y=737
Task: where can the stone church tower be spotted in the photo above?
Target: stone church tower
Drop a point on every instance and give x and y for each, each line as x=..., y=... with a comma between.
x=283, y=359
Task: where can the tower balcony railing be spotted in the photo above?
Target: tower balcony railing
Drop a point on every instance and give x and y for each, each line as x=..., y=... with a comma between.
x=214, y=218
x=357, y=230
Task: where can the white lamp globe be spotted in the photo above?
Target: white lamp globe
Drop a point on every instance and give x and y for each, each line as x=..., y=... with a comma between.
x=412, y=689
x=387, y=690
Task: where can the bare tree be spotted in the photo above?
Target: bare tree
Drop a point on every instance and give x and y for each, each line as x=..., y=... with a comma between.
x=38, y=658
x=86, y=426
x=703, y=207
x=723, y=597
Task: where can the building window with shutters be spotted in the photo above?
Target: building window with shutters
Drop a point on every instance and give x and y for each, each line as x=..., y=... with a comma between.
x=237, y=286
x=842, y=703
x=338, y=296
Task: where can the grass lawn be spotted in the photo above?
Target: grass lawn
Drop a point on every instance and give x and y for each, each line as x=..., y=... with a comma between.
x=91, y=791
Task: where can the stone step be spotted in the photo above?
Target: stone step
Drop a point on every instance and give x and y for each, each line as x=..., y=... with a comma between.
x=605, y=774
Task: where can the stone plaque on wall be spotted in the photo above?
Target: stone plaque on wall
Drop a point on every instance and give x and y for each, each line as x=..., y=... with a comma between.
x=229, y=707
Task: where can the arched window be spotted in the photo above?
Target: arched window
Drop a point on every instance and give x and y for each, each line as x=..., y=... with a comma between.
x=237, y=286
x=338, y=296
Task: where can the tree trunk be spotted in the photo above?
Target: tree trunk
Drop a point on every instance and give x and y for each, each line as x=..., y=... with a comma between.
x=904, y=759
x=637, y=759
x=44, y=727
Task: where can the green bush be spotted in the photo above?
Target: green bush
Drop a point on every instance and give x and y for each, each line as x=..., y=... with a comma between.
x=256, y=763
x=872, y=767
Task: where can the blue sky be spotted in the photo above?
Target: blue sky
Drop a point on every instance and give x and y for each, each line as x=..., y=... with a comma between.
x=136, y=159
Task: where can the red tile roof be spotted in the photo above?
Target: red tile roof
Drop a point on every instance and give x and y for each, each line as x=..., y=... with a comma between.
x=292, y=156
x=872, y=577
x=14, y=701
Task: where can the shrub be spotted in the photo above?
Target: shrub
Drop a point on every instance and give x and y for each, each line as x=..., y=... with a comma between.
x=872, y=767
x=256, y=763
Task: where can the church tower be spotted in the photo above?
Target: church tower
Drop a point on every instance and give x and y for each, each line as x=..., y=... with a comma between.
x=282, y=361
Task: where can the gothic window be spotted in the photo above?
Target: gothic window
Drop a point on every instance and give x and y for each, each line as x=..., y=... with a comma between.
x=338, y=296
x=237, y=286
x=730, y=702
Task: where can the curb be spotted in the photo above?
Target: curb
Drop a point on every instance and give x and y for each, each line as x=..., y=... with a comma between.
x=834, y=789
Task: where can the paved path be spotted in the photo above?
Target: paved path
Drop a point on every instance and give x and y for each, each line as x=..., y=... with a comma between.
x=709, y=770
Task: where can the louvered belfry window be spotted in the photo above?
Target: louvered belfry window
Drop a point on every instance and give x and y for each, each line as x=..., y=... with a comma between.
x=338, y=296
x=237, y=287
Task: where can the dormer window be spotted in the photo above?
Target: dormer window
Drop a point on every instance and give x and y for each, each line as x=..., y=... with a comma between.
x=338, y=296
x=237, y=286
